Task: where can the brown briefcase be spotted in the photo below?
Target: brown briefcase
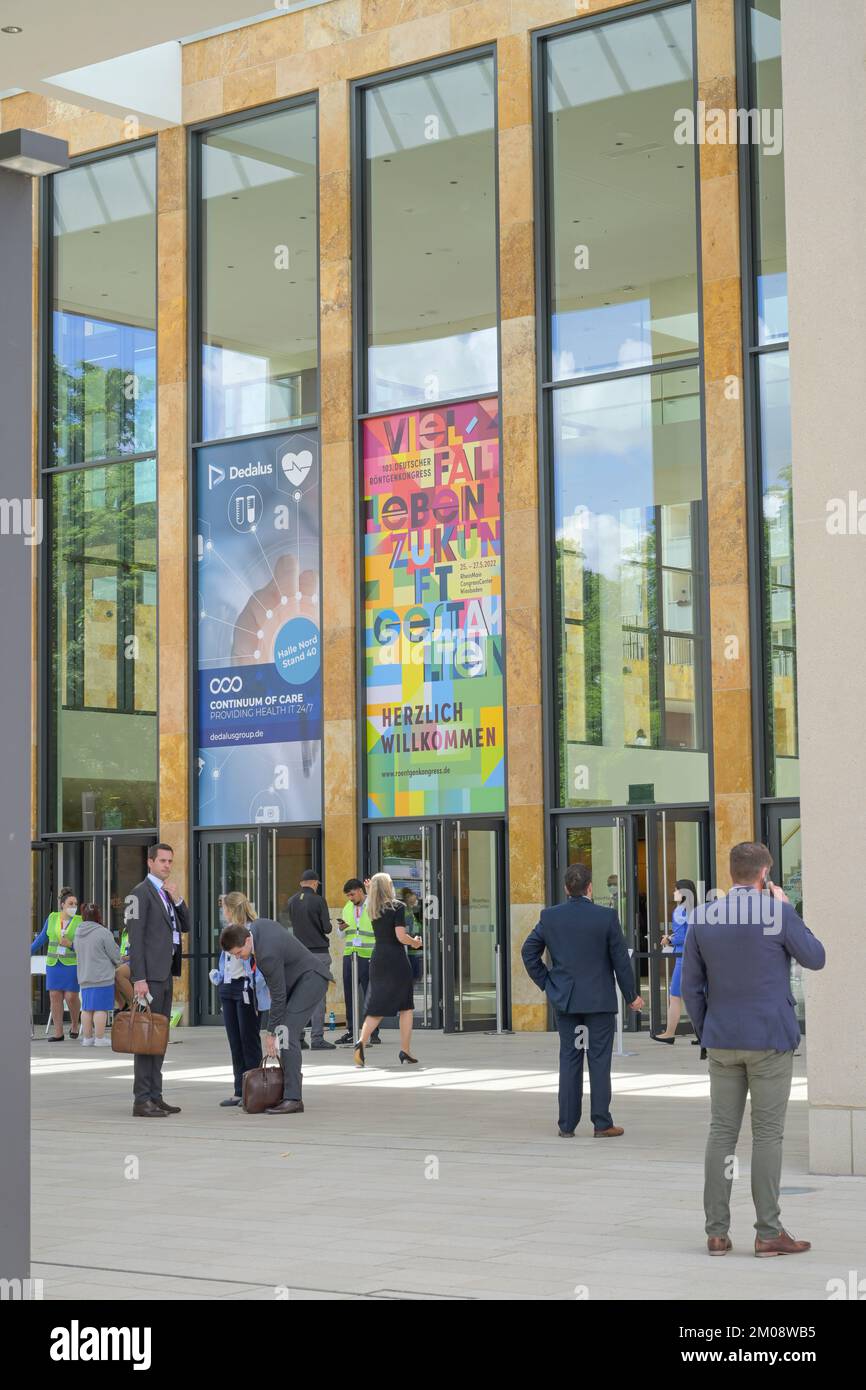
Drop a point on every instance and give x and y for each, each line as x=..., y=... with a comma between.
x=263, y=1087
x=139, y=1030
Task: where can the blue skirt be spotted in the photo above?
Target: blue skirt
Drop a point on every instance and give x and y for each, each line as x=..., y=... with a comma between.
x=676, y=979
x=61, y=977
x=98, y=997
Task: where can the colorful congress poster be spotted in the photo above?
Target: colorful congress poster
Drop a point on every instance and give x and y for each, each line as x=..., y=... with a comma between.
x=433, y=612
x=259, y=644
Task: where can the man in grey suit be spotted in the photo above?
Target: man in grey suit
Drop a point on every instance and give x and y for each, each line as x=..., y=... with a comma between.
x=155, y=916
x=587, y=951
x=298, y=980
x=737, y=989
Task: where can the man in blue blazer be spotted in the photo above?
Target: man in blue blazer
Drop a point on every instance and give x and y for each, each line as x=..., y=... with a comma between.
x=587, y=950
x=737, y=989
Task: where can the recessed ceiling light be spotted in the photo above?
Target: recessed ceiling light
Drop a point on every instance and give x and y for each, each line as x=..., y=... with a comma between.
x=12, y=29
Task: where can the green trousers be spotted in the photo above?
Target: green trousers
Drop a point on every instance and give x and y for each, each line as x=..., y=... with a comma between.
x=766, y=1077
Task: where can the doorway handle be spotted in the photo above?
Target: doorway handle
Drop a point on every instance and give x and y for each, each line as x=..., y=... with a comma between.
x=274, y=903
x=106, y=880
x=249, y=860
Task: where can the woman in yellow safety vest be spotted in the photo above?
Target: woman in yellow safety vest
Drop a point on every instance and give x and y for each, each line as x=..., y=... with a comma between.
x=61, y=973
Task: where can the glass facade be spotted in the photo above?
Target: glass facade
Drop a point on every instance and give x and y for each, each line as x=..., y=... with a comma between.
x=259, y=274
x=103, y=646
x=768, y=340
x=103, y=325
x=102, y=565
x=622, y=248
x=628, y=517
x=768, y=168
x=629, y=579
x=780, y=649
x=258, y=673
x=418, y=550
x=430, y=236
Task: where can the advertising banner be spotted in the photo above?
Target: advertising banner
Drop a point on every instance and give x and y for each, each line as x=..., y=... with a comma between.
x=433, y=612
x=259, y=679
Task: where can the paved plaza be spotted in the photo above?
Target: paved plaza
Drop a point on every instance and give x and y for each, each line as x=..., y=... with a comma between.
x=446, y=1182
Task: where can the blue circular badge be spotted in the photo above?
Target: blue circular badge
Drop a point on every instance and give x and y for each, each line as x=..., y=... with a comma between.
x=296, y=651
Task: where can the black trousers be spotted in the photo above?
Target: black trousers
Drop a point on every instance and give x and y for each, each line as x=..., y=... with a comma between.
x=147, y=1082
x=363, y=985
x=243, y=1031
x=597, y=1042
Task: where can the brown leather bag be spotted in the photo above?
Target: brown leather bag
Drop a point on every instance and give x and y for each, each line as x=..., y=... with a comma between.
x=139, y=1030
x=263, y=1087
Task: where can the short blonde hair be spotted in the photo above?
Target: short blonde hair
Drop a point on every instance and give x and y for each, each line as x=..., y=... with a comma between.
x=380, y=895
x=239, y=909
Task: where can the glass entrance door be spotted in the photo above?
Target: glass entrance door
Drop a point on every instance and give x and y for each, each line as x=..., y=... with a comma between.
x=99, y=869
x=636, y=858
x=123, y=865
x=412, y=855
x=266, y=865
x=449, y=874
x=606, y=844
x=472, y=956
x=679, y=849
x=785, y=844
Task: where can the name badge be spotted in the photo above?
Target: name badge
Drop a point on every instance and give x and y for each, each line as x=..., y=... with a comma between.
x=61, y=950
x=357, y=940
x=175, y=936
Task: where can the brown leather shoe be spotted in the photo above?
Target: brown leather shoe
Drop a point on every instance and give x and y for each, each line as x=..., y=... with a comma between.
x=719, y=1245
x=287, y=1107
x=782, y=1244
x=167, y=1109
x=613, y=1133
x=148, y=1110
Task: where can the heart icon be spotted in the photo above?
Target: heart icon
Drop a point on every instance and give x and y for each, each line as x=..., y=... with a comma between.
x=297, y=466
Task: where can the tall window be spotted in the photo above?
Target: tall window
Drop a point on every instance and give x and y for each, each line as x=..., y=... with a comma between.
x=430, y=236
x=103, y=332
x=768, y=349
x=624, y=414
x=259, y=255
x=100, y=489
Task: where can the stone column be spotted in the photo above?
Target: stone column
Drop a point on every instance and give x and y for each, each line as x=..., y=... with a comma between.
x=726, y=460
x=173, y=501
x=521, y=577
x=824, y=82
x=339, y=599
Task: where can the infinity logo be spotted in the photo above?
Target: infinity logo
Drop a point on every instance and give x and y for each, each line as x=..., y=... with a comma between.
x=227, y=685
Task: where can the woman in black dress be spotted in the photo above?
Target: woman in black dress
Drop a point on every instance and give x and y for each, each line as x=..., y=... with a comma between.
x=390, y=988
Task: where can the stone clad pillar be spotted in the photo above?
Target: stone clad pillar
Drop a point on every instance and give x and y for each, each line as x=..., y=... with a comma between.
x=173, y=501
x=824, y=83
x=522, y=585
x=726, y=460
x=339, y=600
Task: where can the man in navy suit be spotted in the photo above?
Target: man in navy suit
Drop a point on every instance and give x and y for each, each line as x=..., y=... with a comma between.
x=737, y=989
x=587, y=950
